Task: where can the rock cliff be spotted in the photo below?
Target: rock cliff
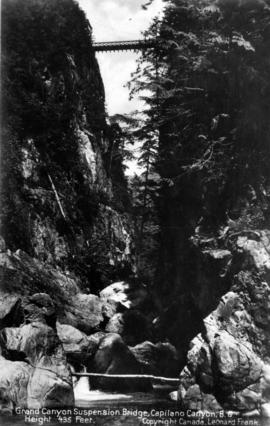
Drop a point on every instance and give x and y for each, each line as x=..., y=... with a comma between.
x=69, y=300
x=228, y=362
x=66, y=229
x=59, y=204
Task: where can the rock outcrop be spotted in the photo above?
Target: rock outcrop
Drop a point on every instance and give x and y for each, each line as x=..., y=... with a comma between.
x=78, y=347
x=64, y=210
x=43, y=378
x=68, y=297
x=22, y=281
x=228, y=363
x=160, y=359
x=125, y=308
x=114, y=357
x=67, y=231
x=122, y=296
x=14, y=380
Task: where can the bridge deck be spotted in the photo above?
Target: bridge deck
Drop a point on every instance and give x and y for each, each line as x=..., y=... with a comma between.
x=112, y=46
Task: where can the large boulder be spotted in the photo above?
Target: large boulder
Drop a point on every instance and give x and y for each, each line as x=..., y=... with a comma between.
x=223, y=365
x=197, y=400
x=230, y=359
x=78, y=347
x=255, y=247
x=84, y=312
x=39, y=308
x=50, y=385
x=235, y=364
x=44, y=291
x=14, y=380
x=132, y=325
x=38, y=345
x=115, y=358
x=121, y=296
x=75, y=343
x=159, y=359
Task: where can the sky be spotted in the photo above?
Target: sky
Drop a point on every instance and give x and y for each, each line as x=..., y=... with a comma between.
x=115, y=20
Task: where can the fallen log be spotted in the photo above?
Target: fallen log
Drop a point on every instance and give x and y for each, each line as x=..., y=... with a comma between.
x=168, y=380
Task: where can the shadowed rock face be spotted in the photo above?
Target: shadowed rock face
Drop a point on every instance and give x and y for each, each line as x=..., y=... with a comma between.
x=114, y=357
x=125, y=309
x=132, y=325
x=29, y=340
x=65, y=209
x=66, y=233
x=22, y=279
x=78, y=347
x=227, y=365
x=122, y=296
x=160, y=359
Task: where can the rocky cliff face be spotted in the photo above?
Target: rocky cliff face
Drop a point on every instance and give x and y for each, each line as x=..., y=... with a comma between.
x=66, y=232
x=67, y=237
x=58, y=200
x=228, y=363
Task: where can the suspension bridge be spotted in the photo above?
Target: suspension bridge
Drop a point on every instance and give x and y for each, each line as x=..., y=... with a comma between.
x=114, y=46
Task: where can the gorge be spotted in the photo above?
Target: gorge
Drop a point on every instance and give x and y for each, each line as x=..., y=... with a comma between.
x=165, y=275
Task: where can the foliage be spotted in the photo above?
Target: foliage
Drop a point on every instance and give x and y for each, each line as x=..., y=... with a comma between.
x=206, y=86
x=53, y=94
x=145, y=224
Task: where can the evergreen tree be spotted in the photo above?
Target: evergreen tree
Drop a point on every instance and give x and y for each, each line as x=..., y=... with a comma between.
x=209, y=103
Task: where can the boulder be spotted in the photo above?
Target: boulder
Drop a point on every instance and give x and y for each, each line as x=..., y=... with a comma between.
x=132, y=326
x=14, y=380
x=75, y=343
x=39, y=308
x=256, y=245
x=114, y=357
x=120, y=296
x=84, y=312
x=31, y=341
x=78, y=347
x=199, y=362
x=38, y=345
x=246, y=400
x=235, y=365
x=50, y=384
x=94, y=341
x=229, y=360
x=197, y=400
x=159, y=359
x=44, y=289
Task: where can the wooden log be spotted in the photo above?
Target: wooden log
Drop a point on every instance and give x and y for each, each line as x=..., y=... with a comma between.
x=168, y=380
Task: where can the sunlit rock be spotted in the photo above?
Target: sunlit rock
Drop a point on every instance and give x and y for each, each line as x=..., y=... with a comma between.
x=14, y=380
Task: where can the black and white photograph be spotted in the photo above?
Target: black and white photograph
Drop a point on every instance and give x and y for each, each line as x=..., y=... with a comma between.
x=135, y=213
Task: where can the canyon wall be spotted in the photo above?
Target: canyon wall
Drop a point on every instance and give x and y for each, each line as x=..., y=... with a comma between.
x=66, y=231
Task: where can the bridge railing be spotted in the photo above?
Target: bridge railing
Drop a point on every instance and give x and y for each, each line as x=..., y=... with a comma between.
x=111, y=46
